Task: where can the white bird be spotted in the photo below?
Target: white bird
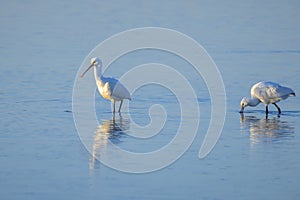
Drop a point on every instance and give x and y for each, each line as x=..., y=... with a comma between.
x=266, y=92
x=109, y=88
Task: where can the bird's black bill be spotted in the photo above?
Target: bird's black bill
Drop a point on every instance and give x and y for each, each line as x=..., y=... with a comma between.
x=86, y=70
x=242, y=110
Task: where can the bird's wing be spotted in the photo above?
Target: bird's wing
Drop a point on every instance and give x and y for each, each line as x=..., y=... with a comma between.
x=270, y=92
x=120, y=91
x=265, y=92
x=116, y=88
x=273, y=93
x=275, y=90
x=283, y=92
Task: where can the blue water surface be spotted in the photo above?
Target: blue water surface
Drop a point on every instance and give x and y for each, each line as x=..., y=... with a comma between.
x=43, y=44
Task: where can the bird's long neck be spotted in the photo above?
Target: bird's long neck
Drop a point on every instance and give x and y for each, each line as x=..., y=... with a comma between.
x=98, y=74
x=253, y=101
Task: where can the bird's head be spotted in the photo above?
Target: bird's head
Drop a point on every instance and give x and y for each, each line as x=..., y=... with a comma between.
x=244, y=103
x=93, y=62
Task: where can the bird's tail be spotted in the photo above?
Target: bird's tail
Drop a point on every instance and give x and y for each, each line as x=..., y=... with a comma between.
x=293, y=94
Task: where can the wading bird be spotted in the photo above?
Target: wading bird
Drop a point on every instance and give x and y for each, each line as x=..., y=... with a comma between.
x=109, y=88
x=266, y=92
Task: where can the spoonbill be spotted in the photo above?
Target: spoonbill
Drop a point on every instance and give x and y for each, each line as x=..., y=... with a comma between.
x=266, y=92
x=109, y=88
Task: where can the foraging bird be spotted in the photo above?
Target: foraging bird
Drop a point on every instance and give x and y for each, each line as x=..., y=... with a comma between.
x=109, y=88
x=266, y=92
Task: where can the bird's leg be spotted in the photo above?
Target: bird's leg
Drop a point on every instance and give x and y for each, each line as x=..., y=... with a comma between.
x=113, y=119
x=279, y=110
x=267, y=116
x=114, y=106
x=120, y=106
x=267, y=110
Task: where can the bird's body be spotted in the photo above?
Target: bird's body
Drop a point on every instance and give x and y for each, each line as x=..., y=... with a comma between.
x=109, y=88
x=267, y=92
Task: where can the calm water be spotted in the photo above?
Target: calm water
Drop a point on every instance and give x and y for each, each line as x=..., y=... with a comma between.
x=43, y=45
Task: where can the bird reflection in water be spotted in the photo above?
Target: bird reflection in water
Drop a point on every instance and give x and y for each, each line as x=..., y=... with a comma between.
x=266, y=130
x=109, y=130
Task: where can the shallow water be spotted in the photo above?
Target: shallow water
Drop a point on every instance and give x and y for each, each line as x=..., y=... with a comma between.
x=42, y=47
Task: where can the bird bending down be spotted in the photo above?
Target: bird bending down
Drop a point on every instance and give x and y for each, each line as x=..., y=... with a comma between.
x=266, y=92
x=109, y=88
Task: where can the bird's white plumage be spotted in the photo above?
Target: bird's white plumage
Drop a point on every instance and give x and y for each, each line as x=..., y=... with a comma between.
x=267, y=92
x=112, y=89
x=109, y=88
